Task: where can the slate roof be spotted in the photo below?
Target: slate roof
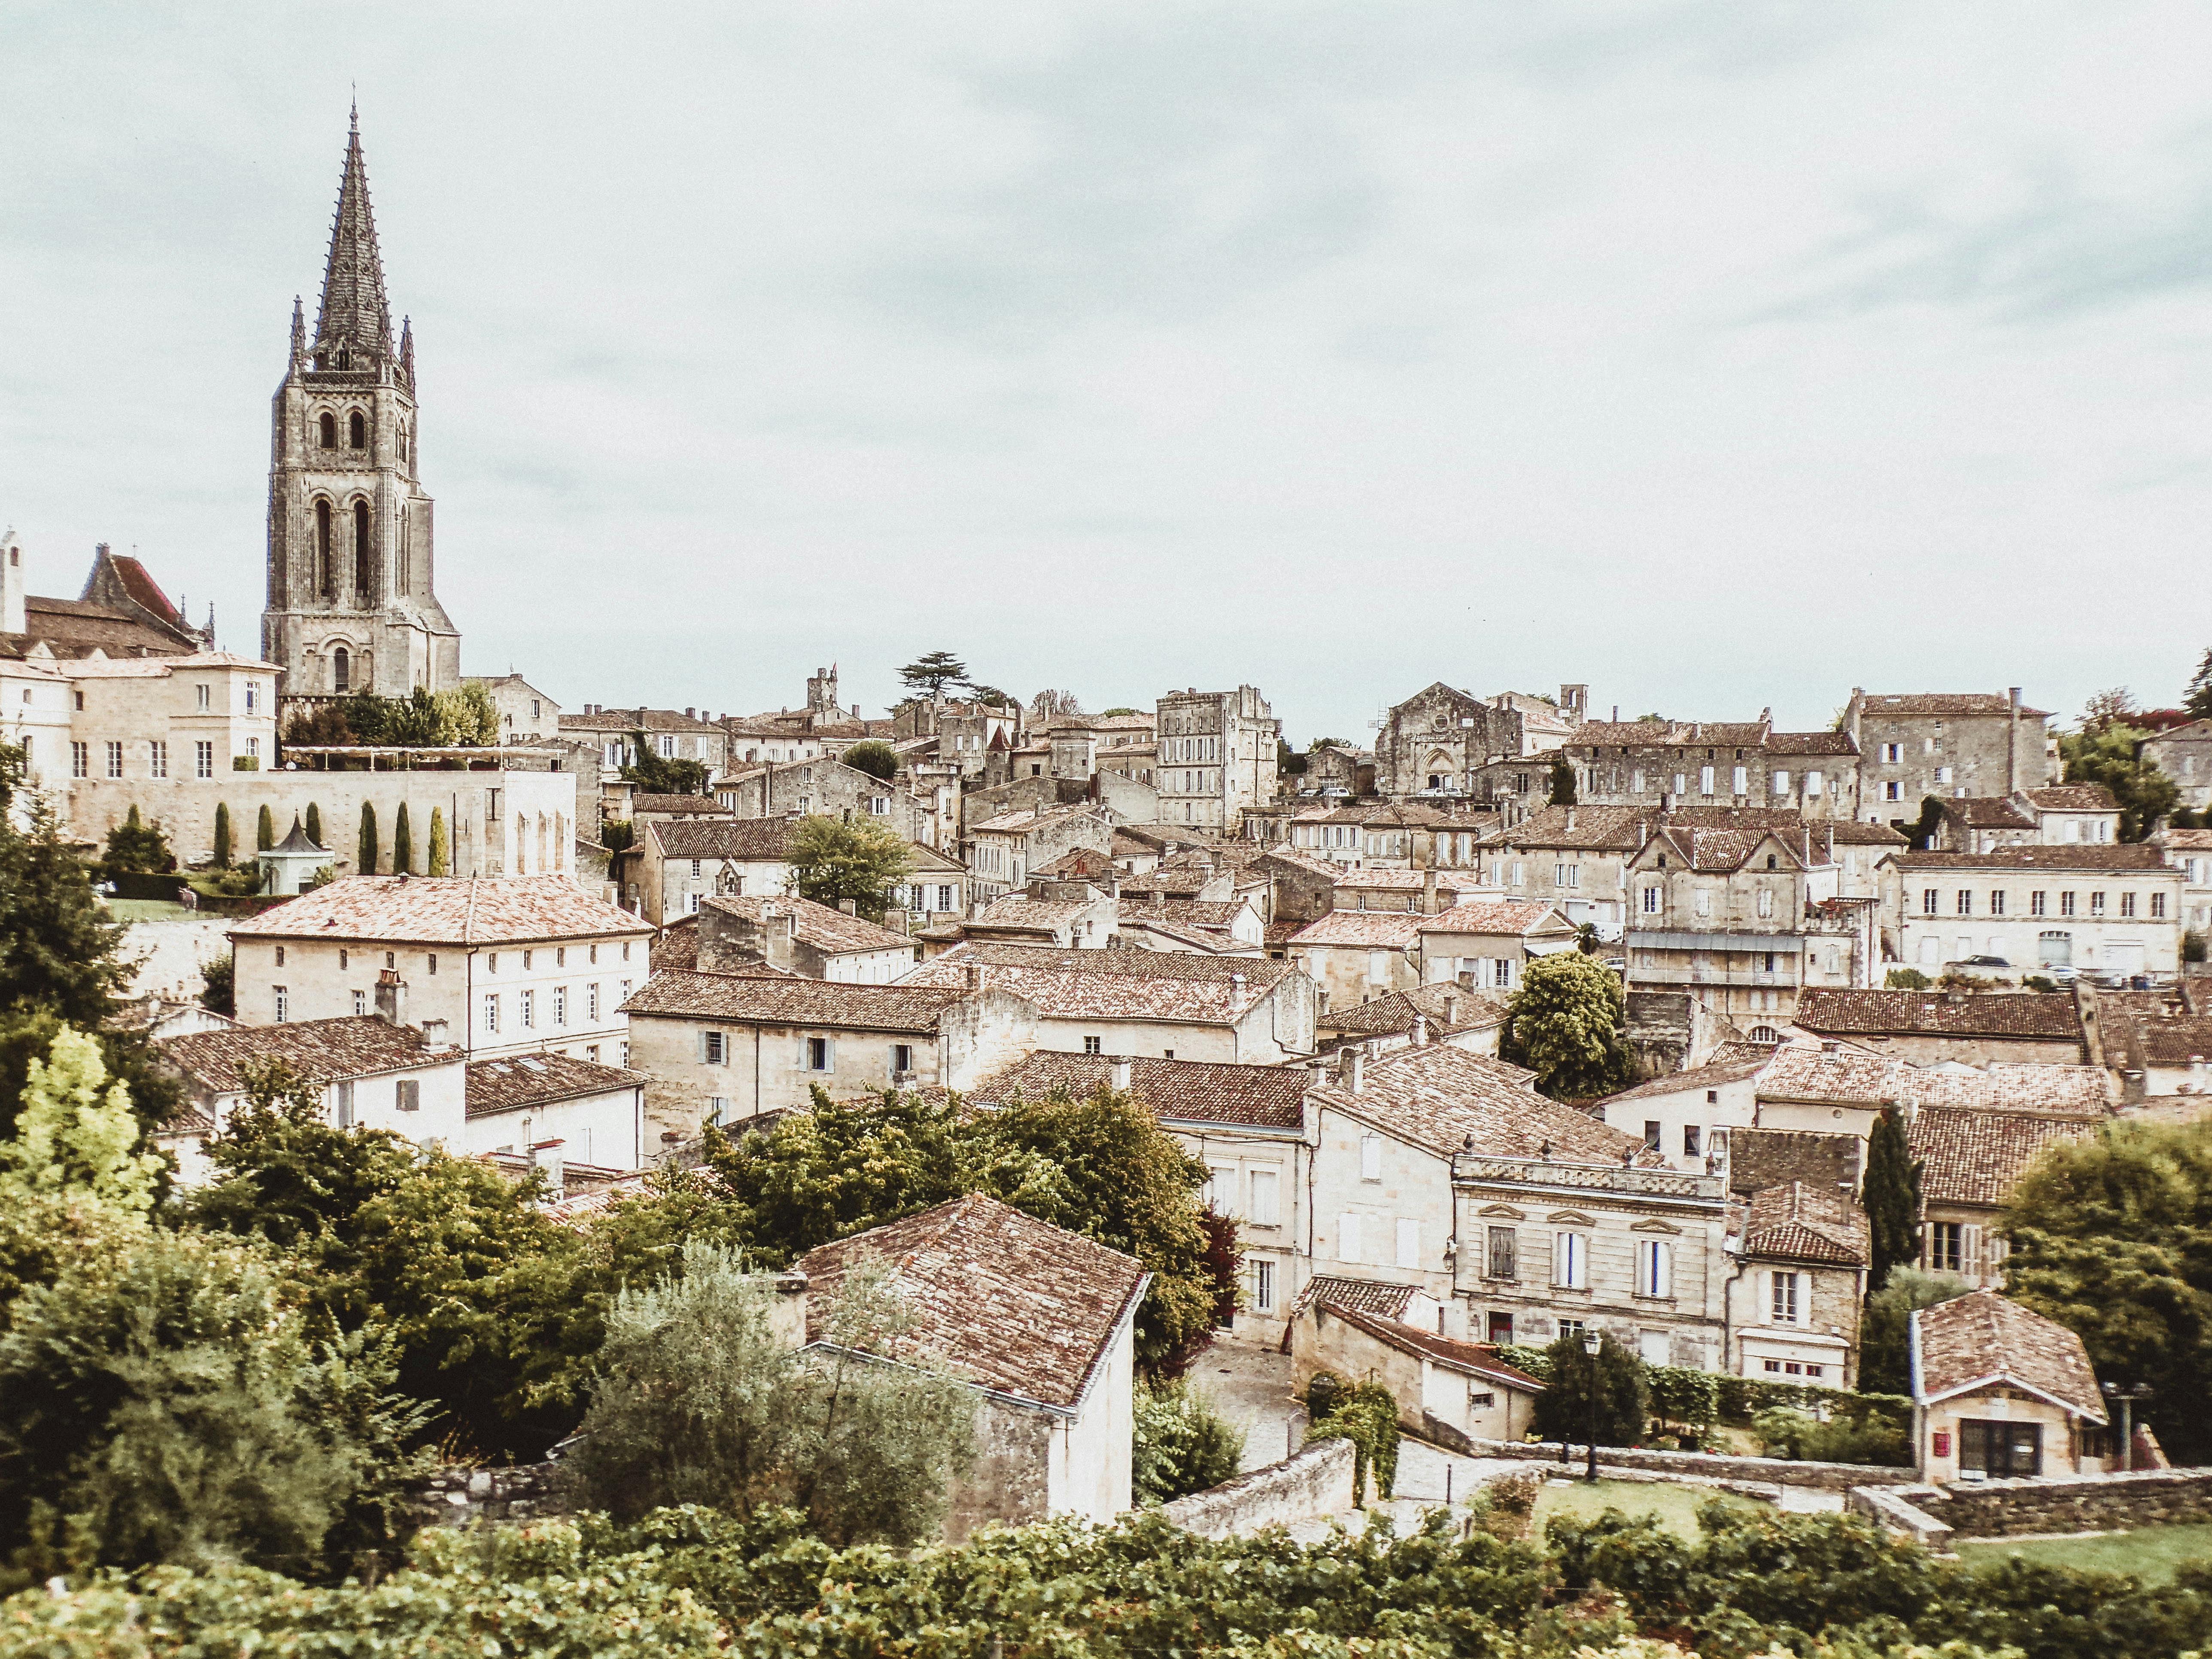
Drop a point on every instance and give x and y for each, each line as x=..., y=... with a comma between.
x=1978, y=1157
x=1389, y=1016
x=517, y=1081
x=463, y=910
x=1985, y=1339
x=1005, y=1301
x=321, y=1050
x=723, y=837
x=1177, y=986
x=822, y=927
x=1435, y=1098
x=1476, y=1359
x=1801, y=1221
x=2114, y=856
x=1261, y=1097
x=2041, y=1015
x=756, y=1000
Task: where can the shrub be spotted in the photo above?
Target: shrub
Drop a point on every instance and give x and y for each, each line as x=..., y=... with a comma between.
x=222, y=834
x=1183, y=1444
x=135, y=848
x=1680, y=1393
x=1537, y=1361
x=1908, y=978
x=1623, y=1399
x=1788, y=1431
x=218, y=984
x=1366, y=1414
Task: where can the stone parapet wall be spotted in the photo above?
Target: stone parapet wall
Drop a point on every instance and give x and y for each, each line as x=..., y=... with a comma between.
x=1780, y=1470
x=1315, y=1482
x=2088, y=1502
x=1896, y=1508
x=457, y=1496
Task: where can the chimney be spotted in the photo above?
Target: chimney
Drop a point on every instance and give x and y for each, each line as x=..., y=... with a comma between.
x=1571, y=818
x=1451, y=1011
x=1355, y=1069
x=1236, y=994
x=1421, y=1030
x=1429, y=902
x=690, y=713
x=973, y=976
x=850, y=907
x=391, y=998
x=787, y=1316
x=1120, y=1074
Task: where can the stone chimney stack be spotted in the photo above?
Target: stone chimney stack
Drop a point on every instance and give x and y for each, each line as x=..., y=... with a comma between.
x=12, y=618
x=1430, y=902
x=1355, y=1069
x=1120, y=1074
x=391, y=998
x=1421, y=1030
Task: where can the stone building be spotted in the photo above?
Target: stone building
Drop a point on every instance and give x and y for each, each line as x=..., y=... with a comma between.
x=1217, y=756
x=2184, y=753
x=1803, y=1252
x=1671, y=764
x=1003, y=850
x=2000, y=1393
x=122, y=612
x=1948, y=745
x=527, y=715
x=1932, y=1028
x=678, y=865
x=1972, y=1156
x=827, y=788
x=351, y=604
x=1448, y=1392
x=2190, y=851
x=794, y=935
x=1435, y=745
x=2114, y=911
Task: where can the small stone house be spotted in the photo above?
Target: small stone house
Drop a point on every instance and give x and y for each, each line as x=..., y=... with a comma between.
x=1931, y=1027
x=797, y=936
x=1971, y=1159
x=1450, y=1392
x=678, y=865
x=1487, y=943
x=1690, y=1116
x=1042, y=1323
x=1802, y=1253
x=2001, y=1393
x=1450, y=1014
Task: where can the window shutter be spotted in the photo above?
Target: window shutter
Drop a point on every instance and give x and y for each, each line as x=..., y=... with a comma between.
x=1970, y=1251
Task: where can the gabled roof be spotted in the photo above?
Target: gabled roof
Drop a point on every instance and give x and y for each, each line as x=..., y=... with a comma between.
x=1718, y=852
x=1712, y=1075
x=1811, y=744
x=460, y=910
x=1258, y=1096
x=2074, y=798
x=820, y=927
x=1978, y=1157
x=1989, y=812
x=2045, y=1015
x=1373, y=930
x=1437, y=1098
x=1007, y=1301
x=826, y=1004
x=1474, y=1359
x=518, y=1081
x=1983, y=1339
x=321, y=1050
x=1946, y=702
x=1470, y=1011
x=1803, y=1222
x=763, y=838
x=1519, y=917
x=1593, y=828
x=1372, y=1296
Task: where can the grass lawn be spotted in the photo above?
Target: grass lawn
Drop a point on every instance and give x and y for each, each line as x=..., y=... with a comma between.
x=124, y=910
x=1676, y=1507
x=2151, y=1553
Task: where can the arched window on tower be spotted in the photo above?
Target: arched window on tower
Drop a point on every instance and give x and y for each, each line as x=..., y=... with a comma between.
x=356, y=431
x=361, y=547
x=323, y=577
x=330, y=428
x=341, y=669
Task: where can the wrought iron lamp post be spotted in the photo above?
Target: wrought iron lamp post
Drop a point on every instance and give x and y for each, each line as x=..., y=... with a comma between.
x=1591, y=1343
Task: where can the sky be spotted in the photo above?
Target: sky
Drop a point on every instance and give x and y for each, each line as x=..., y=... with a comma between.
x=1720, y=357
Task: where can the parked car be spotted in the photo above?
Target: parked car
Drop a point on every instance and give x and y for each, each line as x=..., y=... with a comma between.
x=1981, y=962
x=2061, y=975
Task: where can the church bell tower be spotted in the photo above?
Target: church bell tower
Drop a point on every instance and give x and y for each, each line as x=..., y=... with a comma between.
x=350, y=605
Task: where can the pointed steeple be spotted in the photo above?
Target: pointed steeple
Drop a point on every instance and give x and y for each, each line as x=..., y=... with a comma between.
x=407, y=350
x=299, y=332
x=354, y=328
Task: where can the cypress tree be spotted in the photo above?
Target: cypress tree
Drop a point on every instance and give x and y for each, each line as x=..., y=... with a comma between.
x=1563, y=782
x=403, y=844
x=264, y=832
x=221, y=836
x=365, y=857
x=315, y=824
x=1892, y=1197
x=439, y=858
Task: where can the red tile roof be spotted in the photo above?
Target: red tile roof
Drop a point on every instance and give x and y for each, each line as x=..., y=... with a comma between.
x=1261, y=1097
x=1477, y=1359
x=321, y=1050
x=1978, y=1157
x=1799, y=1222
x=2049, y=1015
x=1983, y=1339
x=750, y=999
x=437, y=910
x=509, y=1085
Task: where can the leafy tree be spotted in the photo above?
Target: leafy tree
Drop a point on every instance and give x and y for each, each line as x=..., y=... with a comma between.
x=74, y=1129
x=321, y=726
x=364, y=862
x=2108, y=755
x=701, y=1403
x=929, y=674
x=1908, y=978
x=837, y=859
x=875, y=757
x=663, y=774
x=219, y=983
x=136, y=849
x=1564, y=1023
x=617, y=835
x=1111, y=712
x=2108, y=708
x=222, y=834
x=2112, y=1238
x=1892, y=1189
x=264, y=831
x=2196, y=701
x=1288, y=761
x=403, y=844
x=315, y=824
x=1182, y=1442
x=991, y=696
x=1885, y=1334
x=467, y=717
x=440, y=861
x=1563, y=782
x=1623, y=1398
x=169, y=1407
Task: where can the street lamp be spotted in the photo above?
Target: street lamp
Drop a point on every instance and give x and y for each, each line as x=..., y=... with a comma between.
x=1591, y=1343
x=2125, y=1398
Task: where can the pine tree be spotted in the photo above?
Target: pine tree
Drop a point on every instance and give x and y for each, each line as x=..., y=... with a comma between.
x=315, y=824
x=264, y=832
x=221, y=836
x=438, y=860
x=403, y=844
x=365, y=859
x=1892, y=1196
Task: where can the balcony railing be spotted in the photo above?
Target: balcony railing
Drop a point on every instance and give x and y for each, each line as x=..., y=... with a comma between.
x=1589, y=1177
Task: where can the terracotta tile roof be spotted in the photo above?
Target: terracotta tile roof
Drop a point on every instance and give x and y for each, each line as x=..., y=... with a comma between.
x=1847, y=1077
x=1782, y=744
x=1009, y=1303
x=1721, y=851
x=1989, y=812
x=1513, y=916
x=1844, y=832
x=1760, y=1158
x=2074, y=798
x=1476, y=1359
x=2051, y=1015
x=678, y=803
x=1978, y=1157
x=1219, y=914
x=2112, y=856
x=1710, y=1075
x=2194, y=840
x=1597, y=829
x=636, y=720
x=321, y=1050
x=755, y=999
x=461, y=910
x=1262, y=1096
x=521, y=1081
x=1408, y=883
x=2049, y=1091
x=2173, y=1039
x=1948, y=703
x=1389, y=930
x=1436, y=1097
x=1026, y=821
x=677, y=945
x=1471, y=1011
x=1169, y=881
x=1369, y=1296
x=1985, y=1339
x=1032, y=915
x=1803, y=1222
x=72, y=628
x=723, y=838
x=1176, y=986
x=1076, y=863
x=1670, y=733
x=820, y=927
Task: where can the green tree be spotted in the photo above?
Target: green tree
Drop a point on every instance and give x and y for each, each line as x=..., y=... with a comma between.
x=837, y=859
x=1183, y=1444
x=365, y=854
x=1623, y=1398
x=440, y=860
x=222, y=834
x=1892, y=1195
x=2112, y=1238
x=136, y=849
x=219, y=983
x=403, y=843
x=875, y=757
x=1885, y=1333
x=929, y=674
x=1908, y=978
x=264, y=831
x=2197, y=700
x=663, y=774
x=701, y=1403
x=2108, y=755
x=466, y=716
x=1111, y=712
x=74, y=1129
x=321, y=726
x=1288, y=761
x=1564, y=1023
x=1563, y=782
x=617, y=835
x=315, y=824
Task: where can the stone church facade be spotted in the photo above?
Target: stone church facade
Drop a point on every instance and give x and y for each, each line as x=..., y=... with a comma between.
x=351, y=605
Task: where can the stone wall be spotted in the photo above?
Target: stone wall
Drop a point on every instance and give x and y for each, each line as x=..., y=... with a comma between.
x=2089, y=1503
x=1784, y=1471
x=457, y=1496
x=1316, y=1482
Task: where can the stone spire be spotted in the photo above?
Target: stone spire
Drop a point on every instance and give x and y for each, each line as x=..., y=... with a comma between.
x=354, y=330
x=298, y=334
x=407, y=351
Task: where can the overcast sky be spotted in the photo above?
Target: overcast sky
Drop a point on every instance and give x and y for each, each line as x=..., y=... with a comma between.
x=1717, y=355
